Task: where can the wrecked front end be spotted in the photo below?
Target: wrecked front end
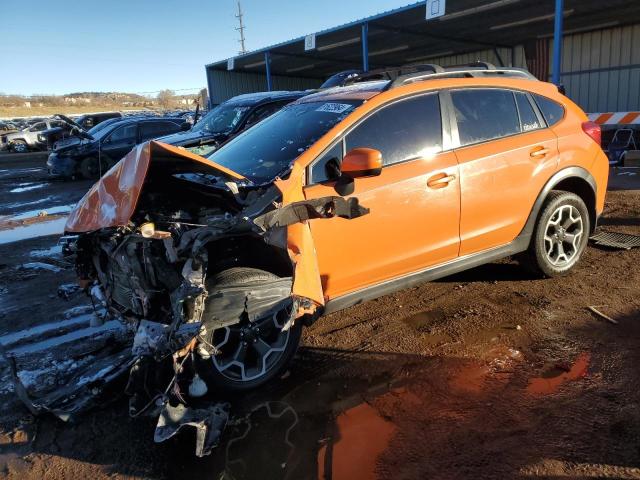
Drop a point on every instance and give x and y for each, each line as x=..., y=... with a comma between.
x=207, y=277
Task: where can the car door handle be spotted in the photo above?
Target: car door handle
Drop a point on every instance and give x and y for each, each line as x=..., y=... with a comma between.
x=440, y=180
x=539, y=152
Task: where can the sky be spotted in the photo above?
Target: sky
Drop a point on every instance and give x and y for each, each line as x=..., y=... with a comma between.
x=141, y=46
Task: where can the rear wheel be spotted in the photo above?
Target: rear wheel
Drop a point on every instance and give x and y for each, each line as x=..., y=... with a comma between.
x=19, y=146
x=249, y=354
x=560, y=236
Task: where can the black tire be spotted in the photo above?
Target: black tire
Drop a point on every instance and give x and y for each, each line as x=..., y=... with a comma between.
x=90, y=169
x=208, y=367
x=556, y=250
x=19, y=146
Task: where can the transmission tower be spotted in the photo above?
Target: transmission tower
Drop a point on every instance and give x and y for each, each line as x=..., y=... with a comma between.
x=239, y=15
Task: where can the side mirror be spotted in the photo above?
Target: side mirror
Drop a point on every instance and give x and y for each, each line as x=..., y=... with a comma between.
x=359, y=162
x=185, y=126
x=362, y=162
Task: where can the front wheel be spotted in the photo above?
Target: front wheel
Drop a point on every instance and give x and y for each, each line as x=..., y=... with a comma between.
x=19, y=146
x=560, y=236
x=248, y=354
x=92, y=169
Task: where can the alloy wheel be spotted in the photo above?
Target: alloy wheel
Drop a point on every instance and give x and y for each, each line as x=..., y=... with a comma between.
x=247, y=351
x=563, y=235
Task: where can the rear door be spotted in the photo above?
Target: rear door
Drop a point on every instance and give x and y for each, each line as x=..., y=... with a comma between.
x=414, y=203
x=506, y=156
x=157, y=128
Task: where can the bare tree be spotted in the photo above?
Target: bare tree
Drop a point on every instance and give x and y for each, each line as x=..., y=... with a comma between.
x=166, y=98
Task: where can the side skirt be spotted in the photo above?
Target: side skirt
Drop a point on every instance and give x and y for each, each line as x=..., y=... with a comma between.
x=519, y=245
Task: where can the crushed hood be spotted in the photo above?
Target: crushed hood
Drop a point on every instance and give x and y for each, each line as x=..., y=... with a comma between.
x=112, y=200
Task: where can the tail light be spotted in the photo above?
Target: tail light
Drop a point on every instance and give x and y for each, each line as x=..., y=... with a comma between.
x=594, y=131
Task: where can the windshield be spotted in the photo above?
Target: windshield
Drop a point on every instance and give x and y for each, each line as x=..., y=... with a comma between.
x=93, y=130
x=221, y=119
x=268, y=149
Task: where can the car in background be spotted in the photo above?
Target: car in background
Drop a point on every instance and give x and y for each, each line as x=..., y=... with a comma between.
x=7, y=127
x=91, y=154
x=90, y=120
x=30, y=138
x=231, y=118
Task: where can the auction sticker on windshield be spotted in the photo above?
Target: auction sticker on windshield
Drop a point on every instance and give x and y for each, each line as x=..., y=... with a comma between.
x=334, y=107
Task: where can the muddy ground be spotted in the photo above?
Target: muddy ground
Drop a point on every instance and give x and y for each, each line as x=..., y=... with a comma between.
x=488, y=374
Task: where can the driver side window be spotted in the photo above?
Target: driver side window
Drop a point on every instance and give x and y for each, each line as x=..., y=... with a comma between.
x=126, y=133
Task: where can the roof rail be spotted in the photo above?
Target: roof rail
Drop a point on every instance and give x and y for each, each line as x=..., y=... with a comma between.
x=474, y=70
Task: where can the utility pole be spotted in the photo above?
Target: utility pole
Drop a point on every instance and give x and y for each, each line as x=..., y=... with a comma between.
x=243, y=50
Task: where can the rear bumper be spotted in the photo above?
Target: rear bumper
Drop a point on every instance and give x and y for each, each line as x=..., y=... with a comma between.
x=59, y=166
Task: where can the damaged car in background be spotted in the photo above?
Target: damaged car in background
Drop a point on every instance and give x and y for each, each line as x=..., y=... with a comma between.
x=203, y=271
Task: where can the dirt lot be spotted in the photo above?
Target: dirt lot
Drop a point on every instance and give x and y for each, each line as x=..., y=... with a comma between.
x=488, y=374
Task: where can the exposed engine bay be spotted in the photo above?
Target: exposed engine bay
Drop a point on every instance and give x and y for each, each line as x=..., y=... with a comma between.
x=206, y=277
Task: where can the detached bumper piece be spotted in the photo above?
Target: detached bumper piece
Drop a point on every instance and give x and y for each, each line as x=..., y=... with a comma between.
x=208, y=422
x=622, y=241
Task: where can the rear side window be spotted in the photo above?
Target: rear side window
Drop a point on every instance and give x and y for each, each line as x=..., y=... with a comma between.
x=150, y=130
x=402, y=131
x=552, y=111
x=263, y=112
x=528, y=118
x=485, y=114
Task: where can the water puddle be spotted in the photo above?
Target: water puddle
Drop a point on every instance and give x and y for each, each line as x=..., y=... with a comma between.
x=14, y=206
x=362, y=436
x=20, y=171
x=552, y=379
x=42, y=212
x=40, y=266
x=54, y=251
x=41, y=229
x=26, y=187
x=34, y=223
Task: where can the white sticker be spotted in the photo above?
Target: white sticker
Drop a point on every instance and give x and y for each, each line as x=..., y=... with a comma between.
x=334, y=107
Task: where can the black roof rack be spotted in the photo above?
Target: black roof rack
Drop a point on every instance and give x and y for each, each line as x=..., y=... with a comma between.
x=472, y=70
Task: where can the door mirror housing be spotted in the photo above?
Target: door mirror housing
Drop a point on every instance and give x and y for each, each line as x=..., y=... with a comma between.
x=362, y=162
x=184, y=127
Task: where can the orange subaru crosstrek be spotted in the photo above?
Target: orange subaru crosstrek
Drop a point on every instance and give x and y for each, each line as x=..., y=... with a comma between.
x=345, y=195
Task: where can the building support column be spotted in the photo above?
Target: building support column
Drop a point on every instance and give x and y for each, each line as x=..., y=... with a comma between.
x=365, y=46
x=267, y=63
x=557, y=42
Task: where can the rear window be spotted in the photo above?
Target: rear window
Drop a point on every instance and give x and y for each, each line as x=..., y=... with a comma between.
x=552, y=111
x=485, y=114
x=528, y=118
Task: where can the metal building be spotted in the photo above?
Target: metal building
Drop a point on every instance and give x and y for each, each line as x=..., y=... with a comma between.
x=587, y=45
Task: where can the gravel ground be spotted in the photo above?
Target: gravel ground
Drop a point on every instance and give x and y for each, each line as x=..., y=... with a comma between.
x=488, y=374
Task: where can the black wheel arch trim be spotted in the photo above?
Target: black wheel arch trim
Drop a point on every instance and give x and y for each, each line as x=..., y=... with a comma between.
x=556, y=179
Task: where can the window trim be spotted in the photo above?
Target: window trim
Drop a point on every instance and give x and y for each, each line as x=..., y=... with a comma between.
x=564, y=109
x=445, y=132
x=538, y=115
x=505, y=89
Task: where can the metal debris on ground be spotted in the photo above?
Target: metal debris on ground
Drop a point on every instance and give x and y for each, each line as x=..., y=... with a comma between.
x=623, y=241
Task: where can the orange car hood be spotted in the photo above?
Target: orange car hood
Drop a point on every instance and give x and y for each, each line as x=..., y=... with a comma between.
x=112, y=200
